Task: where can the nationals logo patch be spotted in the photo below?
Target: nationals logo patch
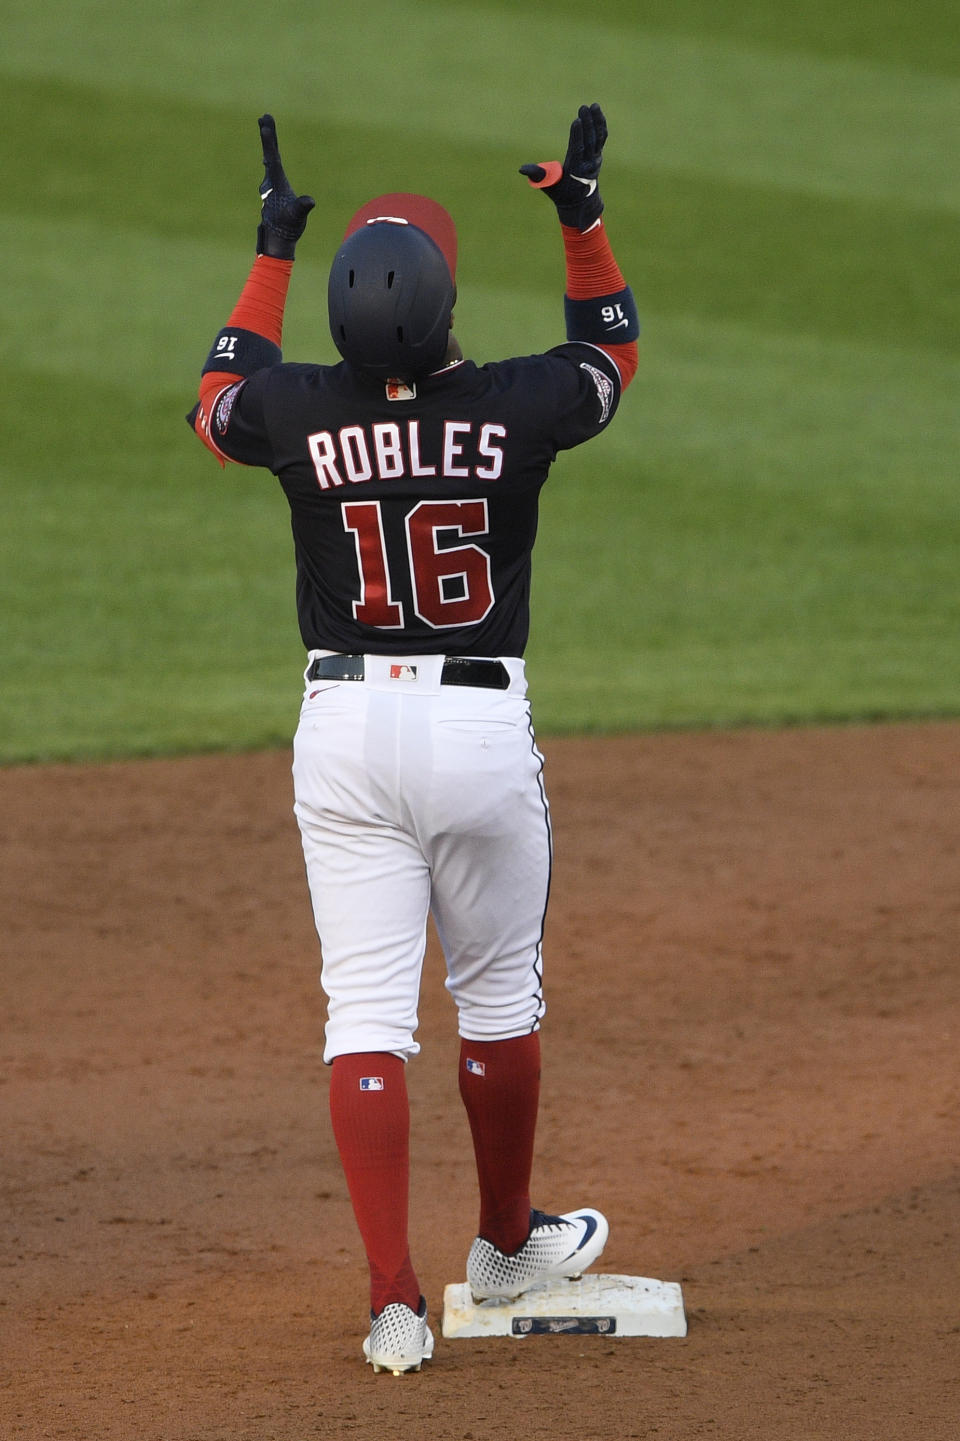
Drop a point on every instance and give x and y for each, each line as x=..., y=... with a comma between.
x=604, y=387
x=224, y=406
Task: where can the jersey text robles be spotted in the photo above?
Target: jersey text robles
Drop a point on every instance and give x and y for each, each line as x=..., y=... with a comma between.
x=387, y=450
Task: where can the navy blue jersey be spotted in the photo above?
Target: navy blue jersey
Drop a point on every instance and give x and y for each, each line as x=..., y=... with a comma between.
x=414, y=509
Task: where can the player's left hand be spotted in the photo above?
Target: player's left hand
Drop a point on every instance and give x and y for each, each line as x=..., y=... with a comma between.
x=283, y=216
x=572, y=186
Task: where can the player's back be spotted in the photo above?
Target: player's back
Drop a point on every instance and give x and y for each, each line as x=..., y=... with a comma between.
x=414, y=507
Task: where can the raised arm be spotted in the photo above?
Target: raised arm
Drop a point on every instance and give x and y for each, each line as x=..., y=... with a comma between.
x=252, y=336
x=599, y=305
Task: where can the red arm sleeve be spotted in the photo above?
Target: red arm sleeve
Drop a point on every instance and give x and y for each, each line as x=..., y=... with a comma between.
x=259, y=309
x=263, y=298
x=592, y=272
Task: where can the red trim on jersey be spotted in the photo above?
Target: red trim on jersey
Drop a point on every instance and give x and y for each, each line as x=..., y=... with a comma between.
x=626, y=358
x=211, y=386
x=592, y=272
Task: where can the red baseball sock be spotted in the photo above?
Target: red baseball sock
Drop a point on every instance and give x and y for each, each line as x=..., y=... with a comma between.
x=371, y=1125
x=500, y=1086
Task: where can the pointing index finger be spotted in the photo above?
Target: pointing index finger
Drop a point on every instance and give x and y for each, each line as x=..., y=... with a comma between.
x=271, y=150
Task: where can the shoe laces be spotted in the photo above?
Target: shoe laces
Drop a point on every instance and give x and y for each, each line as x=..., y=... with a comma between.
x=541, y=1221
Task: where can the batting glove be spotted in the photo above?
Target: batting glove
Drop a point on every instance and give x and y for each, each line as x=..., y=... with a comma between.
x=572, y=186
x=283, y=216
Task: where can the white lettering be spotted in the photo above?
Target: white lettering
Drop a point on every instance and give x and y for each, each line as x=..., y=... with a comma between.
x=413, y=433
x=323, y=455
x=388, y=451
x=386, y=440
x=356, y=456
x=451, y=429
x=493, y=453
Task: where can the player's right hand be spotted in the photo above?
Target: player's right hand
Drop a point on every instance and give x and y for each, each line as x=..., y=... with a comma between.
x=572, y=186
x=283, y=214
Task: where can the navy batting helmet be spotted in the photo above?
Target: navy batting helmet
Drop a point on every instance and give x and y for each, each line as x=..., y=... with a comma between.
x=391, y=289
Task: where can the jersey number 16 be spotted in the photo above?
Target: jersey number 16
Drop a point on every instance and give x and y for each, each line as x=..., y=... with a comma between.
x=451, y=583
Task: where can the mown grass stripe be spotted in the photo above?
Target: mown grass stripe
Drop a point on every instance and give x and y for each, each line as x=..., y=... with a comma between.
x=768, y=533
x=919, y=34
x=689, y=103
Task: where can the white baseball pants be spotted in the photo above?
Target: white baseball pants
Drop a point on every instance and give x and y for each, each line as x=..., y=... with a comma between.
x=414, y=797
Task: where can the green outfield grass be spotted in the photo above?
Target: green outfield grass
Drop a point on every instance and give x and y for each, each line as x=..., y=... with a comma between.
x=769, y=533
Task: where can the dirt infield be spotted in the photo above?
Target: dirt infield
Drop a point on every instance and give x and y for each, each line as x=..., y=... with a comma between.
x=751, y=1065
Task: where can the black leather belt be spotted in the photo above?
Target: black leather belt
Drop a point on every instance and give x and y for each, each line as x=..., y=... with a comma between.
x=457, y=670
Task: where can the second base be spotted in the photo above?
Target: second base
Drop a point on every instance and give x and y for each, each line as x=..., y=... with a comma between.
x=594, y=1305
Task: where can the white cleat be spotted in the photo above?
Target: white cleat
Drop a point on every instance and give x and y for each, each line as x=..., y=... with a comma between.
x=400, y=1339
x=557, y=1248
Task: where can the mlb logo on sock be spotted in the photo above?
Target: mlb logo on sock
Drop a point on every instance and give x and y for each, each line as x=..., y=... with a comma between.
x=371, y=1083
x=476, y=1068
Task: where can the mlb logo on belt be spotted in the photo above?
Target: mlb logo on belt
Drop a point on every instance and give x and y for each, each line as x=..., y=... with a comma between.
x=403, y=672
x=371, y=1083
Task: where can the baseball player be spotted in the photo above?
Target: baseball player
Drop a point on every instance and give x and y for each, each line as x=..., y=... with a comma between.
x=413, y=477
